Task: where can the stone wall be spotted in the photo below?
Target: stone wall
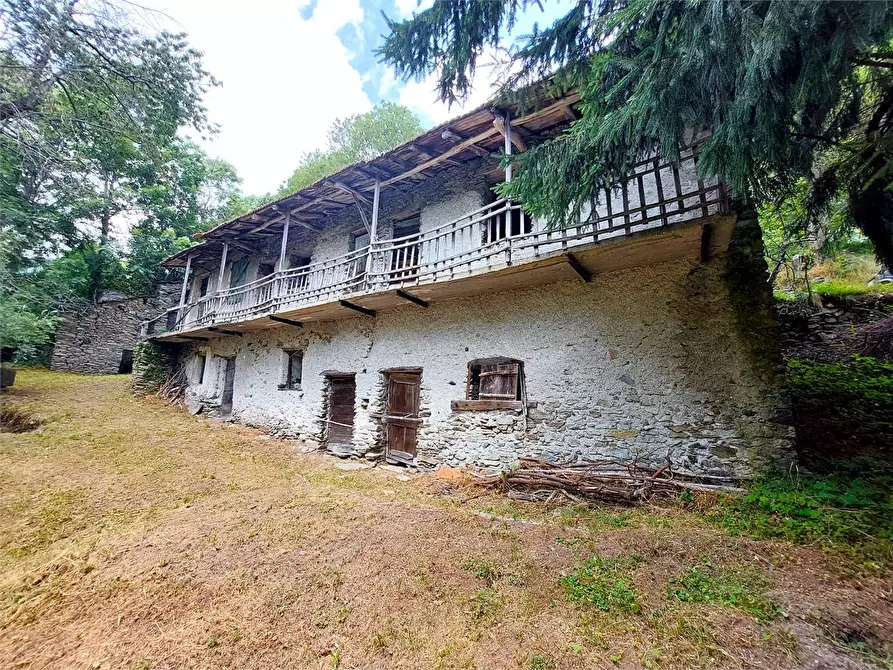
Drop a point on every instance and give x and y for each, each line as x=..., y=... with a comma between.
x=649, y=362
x=92, y=340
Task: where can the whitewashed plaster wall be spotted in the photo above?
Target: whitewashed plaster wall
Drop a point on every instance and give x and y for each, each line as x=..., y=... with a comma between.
x=646, y=361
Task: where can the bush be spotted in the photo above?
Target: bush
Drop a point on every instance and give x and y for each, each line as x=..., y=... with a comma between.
x=849, y=509
x=852, y=400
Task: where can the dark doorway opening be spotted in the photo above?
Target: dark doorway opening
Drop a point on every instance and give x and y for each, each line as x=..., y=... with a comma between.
x=229, y=382
x=341, y=394
x=125, y=367
x=402, y=415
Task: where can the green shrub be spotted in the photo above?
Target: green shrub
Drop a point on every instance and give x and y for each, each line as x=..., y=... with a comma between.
x=847, y=400
x=605, y=584
x=849, y=509
x=741, y=590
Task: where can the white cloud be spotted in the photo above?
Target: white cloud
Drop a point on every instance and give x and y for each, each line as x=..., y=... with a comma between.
x=284, y=79
x=421, y=96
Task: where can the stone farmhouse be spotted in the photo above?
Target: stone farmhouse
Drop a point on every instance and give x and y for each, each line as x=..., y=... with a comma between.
x=400, y=309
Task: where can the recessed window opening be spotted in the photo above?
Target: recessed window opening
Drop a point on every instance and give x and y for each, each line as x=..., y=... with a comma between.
x=200, y=360
x=203, y=287
x=497, y=378
x=293, y=360
x=265, y=270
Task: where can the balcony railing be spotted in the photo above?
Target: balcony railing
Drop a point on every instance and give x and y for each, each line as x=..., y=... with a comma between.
x=492, y=237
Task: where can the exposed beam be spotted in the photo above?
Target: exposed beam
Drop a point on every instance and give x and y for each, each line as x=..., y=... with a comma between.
x=577, y=267
x=195, y=337
x=288, y=322
x=225, y=332
x=411, y=298
x=357, y=308
x=450, y=136
x=356, y=194
x=500, y=125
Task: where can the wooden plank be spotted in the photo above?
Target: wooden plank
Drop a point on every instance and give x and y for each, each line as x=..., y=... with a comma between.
x=411, y=298
x=577, y=266
x=221, y=331
x=357, y=308
x=485, y=405
x=288, y=322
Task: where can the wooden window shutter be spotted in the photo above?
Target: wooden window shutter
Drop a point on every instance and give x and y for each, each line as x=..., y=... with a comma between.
x=499, y=381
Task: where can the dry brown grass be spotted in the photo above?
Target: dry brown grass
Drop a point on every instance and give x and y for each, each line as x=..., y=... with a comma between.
x=135, y=536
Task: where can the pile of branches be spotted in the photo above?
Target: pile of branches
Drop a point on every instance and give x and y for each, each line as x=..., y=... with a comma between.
x=609, y=481
x=174, y=386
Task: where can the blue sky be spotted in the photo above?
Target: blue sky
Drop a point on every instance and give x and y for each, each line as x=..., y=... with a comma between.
x=291, y=67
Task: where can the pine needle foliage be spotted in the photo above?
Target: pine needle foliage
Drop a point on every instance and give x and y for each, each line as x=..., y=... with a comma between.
x=789, y=90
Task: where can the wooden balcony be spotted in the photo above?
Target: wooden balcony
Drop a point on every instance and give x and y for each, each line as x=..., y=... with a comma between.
x=657, y=215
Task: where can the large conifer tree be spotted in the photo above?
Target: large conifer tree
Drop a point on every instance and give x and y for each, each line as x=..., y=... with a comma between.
x=792, y=90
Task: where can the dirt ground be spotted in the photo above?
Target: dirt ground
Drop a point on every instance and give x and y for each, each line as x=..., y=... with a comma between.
x=133, y=535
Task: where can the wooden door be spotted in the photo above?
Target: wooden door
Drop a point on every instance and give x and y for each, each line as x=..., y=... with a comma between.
x=402, y=419
x=229, y=381
x=340, y=414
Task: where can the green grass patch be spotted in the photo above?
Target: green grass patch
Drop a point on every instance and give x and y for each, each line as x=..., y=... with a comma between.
x=848, y=509
x=606, y=584
x=744, y=590
x=843, y=288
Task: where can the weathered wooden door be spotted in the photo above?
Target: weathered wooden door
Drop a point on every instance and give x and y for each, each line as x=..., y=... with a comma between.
x=402, y=419
x=229, y=381
x=342, y=391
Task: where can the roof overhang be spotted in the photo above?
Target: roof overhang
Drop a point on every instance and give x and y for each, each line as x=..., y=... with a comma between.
x=476, y=134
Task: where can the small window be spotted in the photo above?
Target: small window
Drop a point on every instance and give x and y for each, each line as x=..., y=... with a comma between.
x=294, y=364
x=200, y=360
x=494, y=379
x=359, y=239
x=203, y=287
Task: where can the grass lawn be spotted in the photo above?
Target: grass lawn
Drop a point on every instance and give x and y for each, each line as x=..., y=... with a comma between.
x=133, y=535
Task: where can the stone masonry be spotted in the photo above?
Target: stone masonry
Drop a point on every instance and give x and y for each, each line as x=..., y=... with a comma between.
x=93, y=340
x=651, y=362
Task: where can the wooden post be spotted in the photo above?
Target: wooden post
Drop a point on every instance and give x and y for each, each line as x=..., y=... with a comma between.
x=508, y=146
x=222, y=267
x=373, y=229
x=185, y=287
x=281, y=266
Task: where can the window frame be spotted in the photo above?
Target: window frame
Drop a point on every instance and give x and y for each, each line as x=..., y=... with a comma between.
x=288, y=357
x=472, y=401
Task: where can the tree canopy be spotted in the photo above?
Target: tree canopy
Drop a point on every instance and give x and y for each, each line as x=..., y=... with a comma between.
x=96, y=182
x=360, y=137
x=793, y=92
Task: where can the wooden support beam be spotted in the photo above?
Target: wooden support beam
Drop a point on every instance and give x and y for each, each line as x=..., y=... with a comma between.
x=455, y=138
x=357, y=308
x=221, y=331
x=288, y=322
x=185, y=286
x=569, y=113
x=411, y=298
x=577, y=267
x=347, y=189
x=195, y=337
x=506, y=131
